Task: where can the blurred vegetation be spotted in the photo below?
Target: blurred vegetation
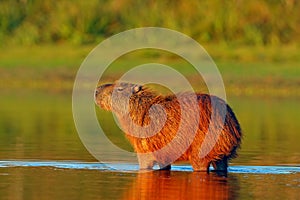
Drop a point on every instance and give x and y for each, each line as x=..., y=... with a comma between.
x=233, y=22
x=256, y=44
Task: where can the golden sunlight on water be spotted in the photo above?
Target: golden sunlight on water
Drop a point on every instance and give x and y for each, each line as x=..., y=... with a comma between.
x=41, y=128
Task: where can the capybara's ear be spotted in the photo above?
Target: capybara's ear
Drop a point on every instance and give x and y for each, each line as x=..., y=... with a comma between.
x=136, y=88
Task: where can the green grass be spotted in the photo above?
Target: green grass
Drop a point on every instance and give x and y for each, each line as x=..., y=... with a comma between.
x=47, y=56
x=52, y=56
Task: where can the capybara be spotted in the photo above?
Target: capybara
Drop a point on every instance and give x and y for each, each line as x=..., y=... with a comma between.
x=164, y=129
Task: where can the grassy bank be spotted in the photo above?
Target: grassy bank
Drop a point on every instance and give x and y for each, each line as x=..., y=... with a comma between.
x=246, y=71
x=64, y=55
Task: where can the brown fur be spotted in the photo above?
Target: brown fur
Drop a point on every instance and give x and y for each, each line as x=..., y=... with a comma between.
x=141, y=99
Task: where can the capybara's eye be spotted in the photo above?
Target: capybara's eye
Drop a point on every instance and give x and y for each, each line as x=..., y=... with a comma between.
x=120, y=89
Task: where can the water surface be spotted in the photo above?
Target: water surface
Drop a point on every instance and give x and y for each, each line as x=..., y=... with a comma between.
x=42, y=157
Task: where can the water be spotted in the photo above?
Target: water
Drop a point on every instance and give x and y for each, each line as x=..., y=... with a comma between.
x=42, y=157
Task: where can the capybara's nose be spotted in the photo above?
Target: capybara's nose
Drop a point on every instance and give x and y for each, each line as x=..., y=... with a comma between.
x=100, y=88
x=96, y=92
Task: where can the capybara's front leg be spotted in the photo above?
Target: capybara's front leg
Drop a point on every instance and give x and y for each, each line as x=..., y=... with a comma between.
x=146, y=161
x=200, y=165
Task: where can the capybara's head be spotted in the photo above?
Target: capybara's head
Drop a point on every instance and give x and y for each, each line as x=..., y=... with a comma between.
x=115, y=97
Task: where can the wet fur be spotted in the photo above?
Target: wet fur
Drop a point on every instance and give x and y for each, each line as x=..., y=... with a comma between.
x=141, y=101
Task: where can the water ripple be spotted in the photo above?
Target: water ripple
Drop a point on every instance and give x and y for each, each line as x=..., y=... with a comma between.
x=134, y=167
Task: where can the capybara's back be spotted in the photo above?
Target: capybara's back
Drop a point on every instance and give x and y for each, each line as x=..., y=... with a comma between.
x=198, y=128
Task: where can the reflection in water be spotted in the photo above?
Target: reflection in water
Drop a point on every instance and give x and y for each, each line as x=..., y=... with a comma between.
x=70, y=182
x=38, y=126
x=181, y=185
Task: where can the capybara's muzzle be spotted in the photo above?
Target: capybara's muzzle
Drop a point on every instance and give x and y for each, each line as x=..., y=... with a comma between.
x=101, y=88
x=102, y=96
